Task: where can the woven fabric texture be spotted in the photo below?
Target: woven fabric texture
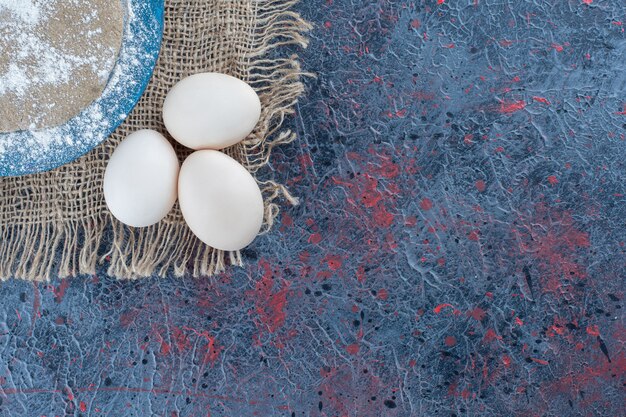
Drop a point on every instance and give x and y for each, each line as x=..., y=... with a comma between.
x=57, y=223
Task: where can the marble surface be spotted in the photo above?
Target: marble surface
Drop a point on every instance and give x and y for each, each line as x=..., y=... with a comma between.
x=459, y=248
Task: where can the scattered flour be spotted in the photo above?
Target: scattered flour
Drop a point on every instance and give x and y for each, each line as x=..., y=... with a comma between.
x=56, y=58
x=27, y=11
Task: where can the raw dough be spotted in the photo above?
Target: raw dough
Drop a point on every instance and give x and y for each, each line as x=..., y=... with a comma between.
x=56, y=58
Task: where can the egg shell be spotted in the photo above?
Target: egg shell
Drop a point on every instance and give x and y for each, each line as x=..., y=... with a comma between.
x=211, y=111
x=220, y=201
x=141, y=179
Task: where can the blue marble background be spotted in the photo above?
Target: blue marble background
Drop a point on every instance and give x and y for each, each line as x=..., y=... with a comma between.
x=459, y=249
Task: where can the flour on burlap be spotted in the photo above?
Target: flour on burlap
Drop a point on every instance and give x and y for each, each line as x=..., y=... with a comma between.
x=56, y=58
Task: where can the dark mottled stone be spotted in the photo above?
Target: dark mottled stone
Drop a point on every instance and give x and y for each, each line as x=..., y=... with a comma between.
x=458, y=249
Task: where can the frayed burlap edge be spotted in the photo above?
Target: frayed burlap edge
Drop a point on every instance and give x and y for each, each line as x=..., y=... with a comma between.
x=69, y=247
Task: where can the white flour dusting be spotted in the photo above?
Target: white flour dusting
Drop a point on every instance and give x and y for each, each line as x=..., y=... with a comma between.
x=26, y=11
x=34, y=150
x=57, y=57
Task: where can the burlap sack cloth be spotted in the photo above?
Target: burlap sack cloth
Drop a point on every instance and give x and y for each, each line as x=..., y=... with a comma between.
x=57, y=223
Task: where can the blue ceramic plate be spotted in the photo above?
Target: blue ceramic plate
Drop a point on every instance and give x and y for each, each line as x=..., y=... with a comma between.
x=28, y=152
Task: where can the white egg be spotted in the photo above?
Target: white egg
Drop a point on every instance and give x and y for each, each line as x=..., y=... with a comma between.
x=220, y=200
x=141, y=179
x=211, y=111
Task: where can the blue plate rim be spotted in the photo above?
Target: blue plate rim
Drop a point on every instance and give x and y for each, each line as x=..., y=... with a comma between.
x=144, y=23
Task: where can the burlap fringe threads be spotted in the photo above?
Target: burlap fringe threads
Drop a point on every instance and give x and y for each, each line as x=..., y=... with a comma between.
x=69, y=247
